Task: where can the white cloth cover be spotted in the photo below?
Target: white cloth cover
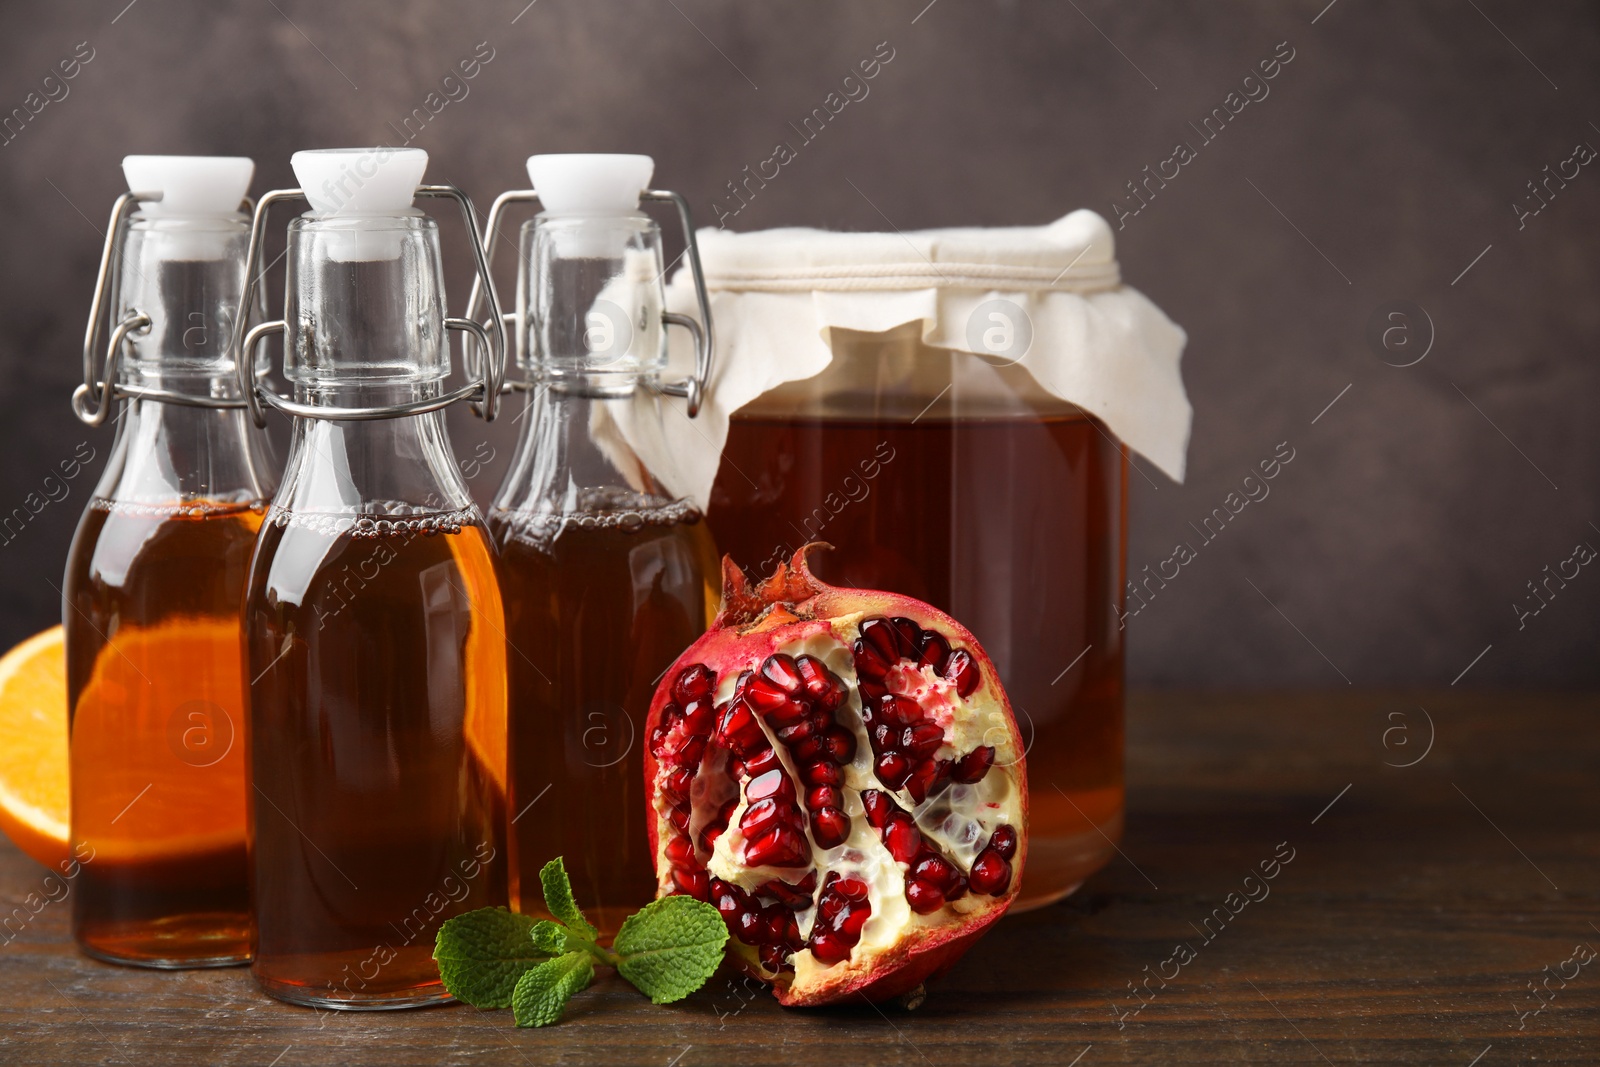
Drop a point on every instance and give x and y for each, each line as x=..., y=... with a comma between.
x=776, y=295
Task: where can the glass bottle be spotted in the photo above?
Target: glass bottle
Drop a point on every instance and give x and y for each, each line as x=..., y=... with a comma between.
x=608, y=575
x=154, y=577
x=373, y=618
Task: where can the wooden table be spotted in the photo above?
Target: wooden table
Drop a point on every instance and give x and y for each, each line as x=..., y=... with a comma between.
x=1419, y=904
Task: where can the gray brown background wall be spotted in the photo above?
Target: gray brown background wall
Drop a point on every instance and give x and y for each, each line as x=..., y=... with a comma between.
x=1384, y=161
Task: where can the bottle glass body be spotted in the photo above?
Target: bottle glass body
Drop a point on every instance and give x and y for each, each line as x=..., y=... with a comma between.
x=376, y=651
x=151, y=598
x=935, y=474
x=607, y=575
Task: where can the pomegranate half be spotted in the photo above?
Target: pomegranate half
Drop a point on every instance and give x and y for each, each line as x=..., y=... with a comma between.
x=839, y=772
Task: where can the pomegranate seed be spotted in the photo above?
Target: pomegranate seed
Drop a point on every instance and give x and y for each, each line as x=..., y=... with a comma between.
x=690, y=752
x=879, y=807
x=764, y=696
x=822, y=796
x=782, y=671
x=658, y=741
x=850, y=923
x=822, y=773
x=786, y=714
x=1004, y=841
x=922, y=777
x=871, y=692
x=699, y=717
x=961, y=670
x=923, y=897
x=797, y=732
x=841, y=744
x=781, y=847
x=910, y=635
x=691, y=883
x=933, y=650
x=809, y=749
x=869, y=664
x=773, y=783
x=902, y=837
x=813, y=676
x=884, y=737
x=750, y=928
x=727, y=904
x=829, y=947
x=694, y=682
x=709, y=834
x=922, y=739
x=830, y=906
x=974, y=765
x=892, y=769
x=899, y=710
x=760, y=818
x=991, y=874
x=775, y=957
x=680, y=852
x=935, y=870
x=670, y=714
x=738, y=728
x=851, y=888
x=883, y=637
x=679, y=818
x=742, y=682
x=760, y=763
x=791, y=934
x=830, y=827
x=675, y=786
x=808, y=884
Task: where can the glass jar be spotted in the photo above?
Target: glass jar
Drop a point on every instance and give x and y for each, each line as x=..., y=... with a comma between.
x=956, y=478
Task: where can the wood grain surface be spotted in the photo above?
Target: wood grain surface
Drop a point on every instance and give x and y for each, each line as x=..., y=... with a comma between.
x=1418, y=906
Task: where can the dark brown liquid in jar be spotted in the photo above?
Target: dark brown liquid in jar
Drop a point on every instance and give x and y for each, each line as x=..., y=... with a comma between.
x=1011, y=519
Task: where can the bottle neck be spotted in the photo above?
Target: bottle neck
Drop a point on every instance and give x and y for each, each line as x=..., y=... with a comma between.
x=166, y=454
x=375, y=467
x=186, y=276
x=364, y=308
x=573, y=460
x=589, y=301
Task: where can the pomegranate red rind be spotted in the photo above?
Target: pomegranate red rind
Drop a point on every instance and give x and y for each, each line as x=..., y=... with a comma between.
x=839, y=771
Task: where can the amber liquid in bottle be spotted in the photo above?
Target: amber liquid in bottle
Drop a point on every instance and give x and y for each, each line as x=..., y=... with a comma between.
x=156, y=717
x=1011, y=524
x=597, y=608
x=377, y=661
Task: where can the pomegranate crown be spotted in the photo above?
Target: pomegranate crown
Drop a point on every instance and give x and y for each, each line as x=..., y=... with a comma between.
x=783, y=597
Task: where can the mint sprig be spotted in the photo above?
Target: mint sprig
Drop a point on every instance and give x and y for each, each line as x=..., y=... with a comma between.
x=494, y=958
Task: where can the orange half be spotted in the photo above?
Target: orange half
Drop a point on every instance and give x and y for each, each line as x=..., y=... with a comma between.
x=33, y=747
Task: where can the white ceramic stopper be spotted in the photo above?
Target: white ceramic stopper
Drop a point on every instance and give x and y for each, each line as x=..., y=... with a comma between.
x=590, y=183
x=361, y=182
x=200, y=197
x=189, y=185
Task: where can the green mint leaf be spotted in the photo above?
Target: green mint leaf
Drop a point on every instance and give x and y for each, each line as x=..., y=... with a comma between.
x=670, y=947
x=543, y=992
x=549, y=937
x=481, y=955
x=558, y=899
